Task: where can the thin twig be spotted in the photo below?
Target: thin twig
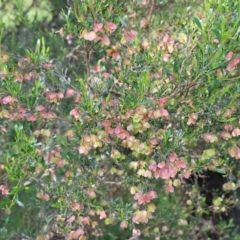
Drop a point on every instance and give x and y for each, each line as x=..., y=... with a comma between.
x=87, y=58
x=113, y=183
x=183, y=88
x=149, y=17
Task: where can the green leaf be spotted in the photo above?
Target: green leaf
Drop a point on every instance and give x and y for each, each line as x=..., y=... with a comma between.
x=219, y=170
x=20, y=204
x=208, y=153
x=56, y=205
x=108, y=221
x=197, y=22
x=217, y=33
x=108, y=98
x=176, y=182
x=38, y=45
x=137, y=118
x=217, y=201
x=227, y=120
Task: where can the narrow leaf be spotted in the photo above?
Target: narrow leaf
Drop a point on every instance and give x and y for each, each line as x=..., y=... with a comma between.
x=197, y=22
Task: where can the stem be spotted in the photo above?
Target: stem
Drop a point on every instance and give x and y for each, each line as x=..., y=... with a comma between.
x=1, y=35
x=149, y=17
x=88, y=52
x=88, y=55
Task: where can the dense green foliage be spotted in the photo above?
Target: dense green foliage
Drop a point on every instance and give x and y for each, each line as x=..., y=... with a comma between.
x=119, y=119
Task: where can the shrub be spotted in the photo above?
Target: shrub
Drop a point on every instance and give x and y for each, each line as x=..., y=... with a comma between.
x=99, y=137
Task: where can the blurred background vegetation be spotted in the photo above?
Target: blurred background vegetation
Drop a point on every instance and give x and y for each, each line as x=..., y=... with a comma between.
x=23, y=22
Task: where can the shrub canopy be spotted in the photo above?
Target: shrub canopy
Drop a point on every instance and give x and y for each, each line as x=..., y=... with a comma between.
x=109, y=111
